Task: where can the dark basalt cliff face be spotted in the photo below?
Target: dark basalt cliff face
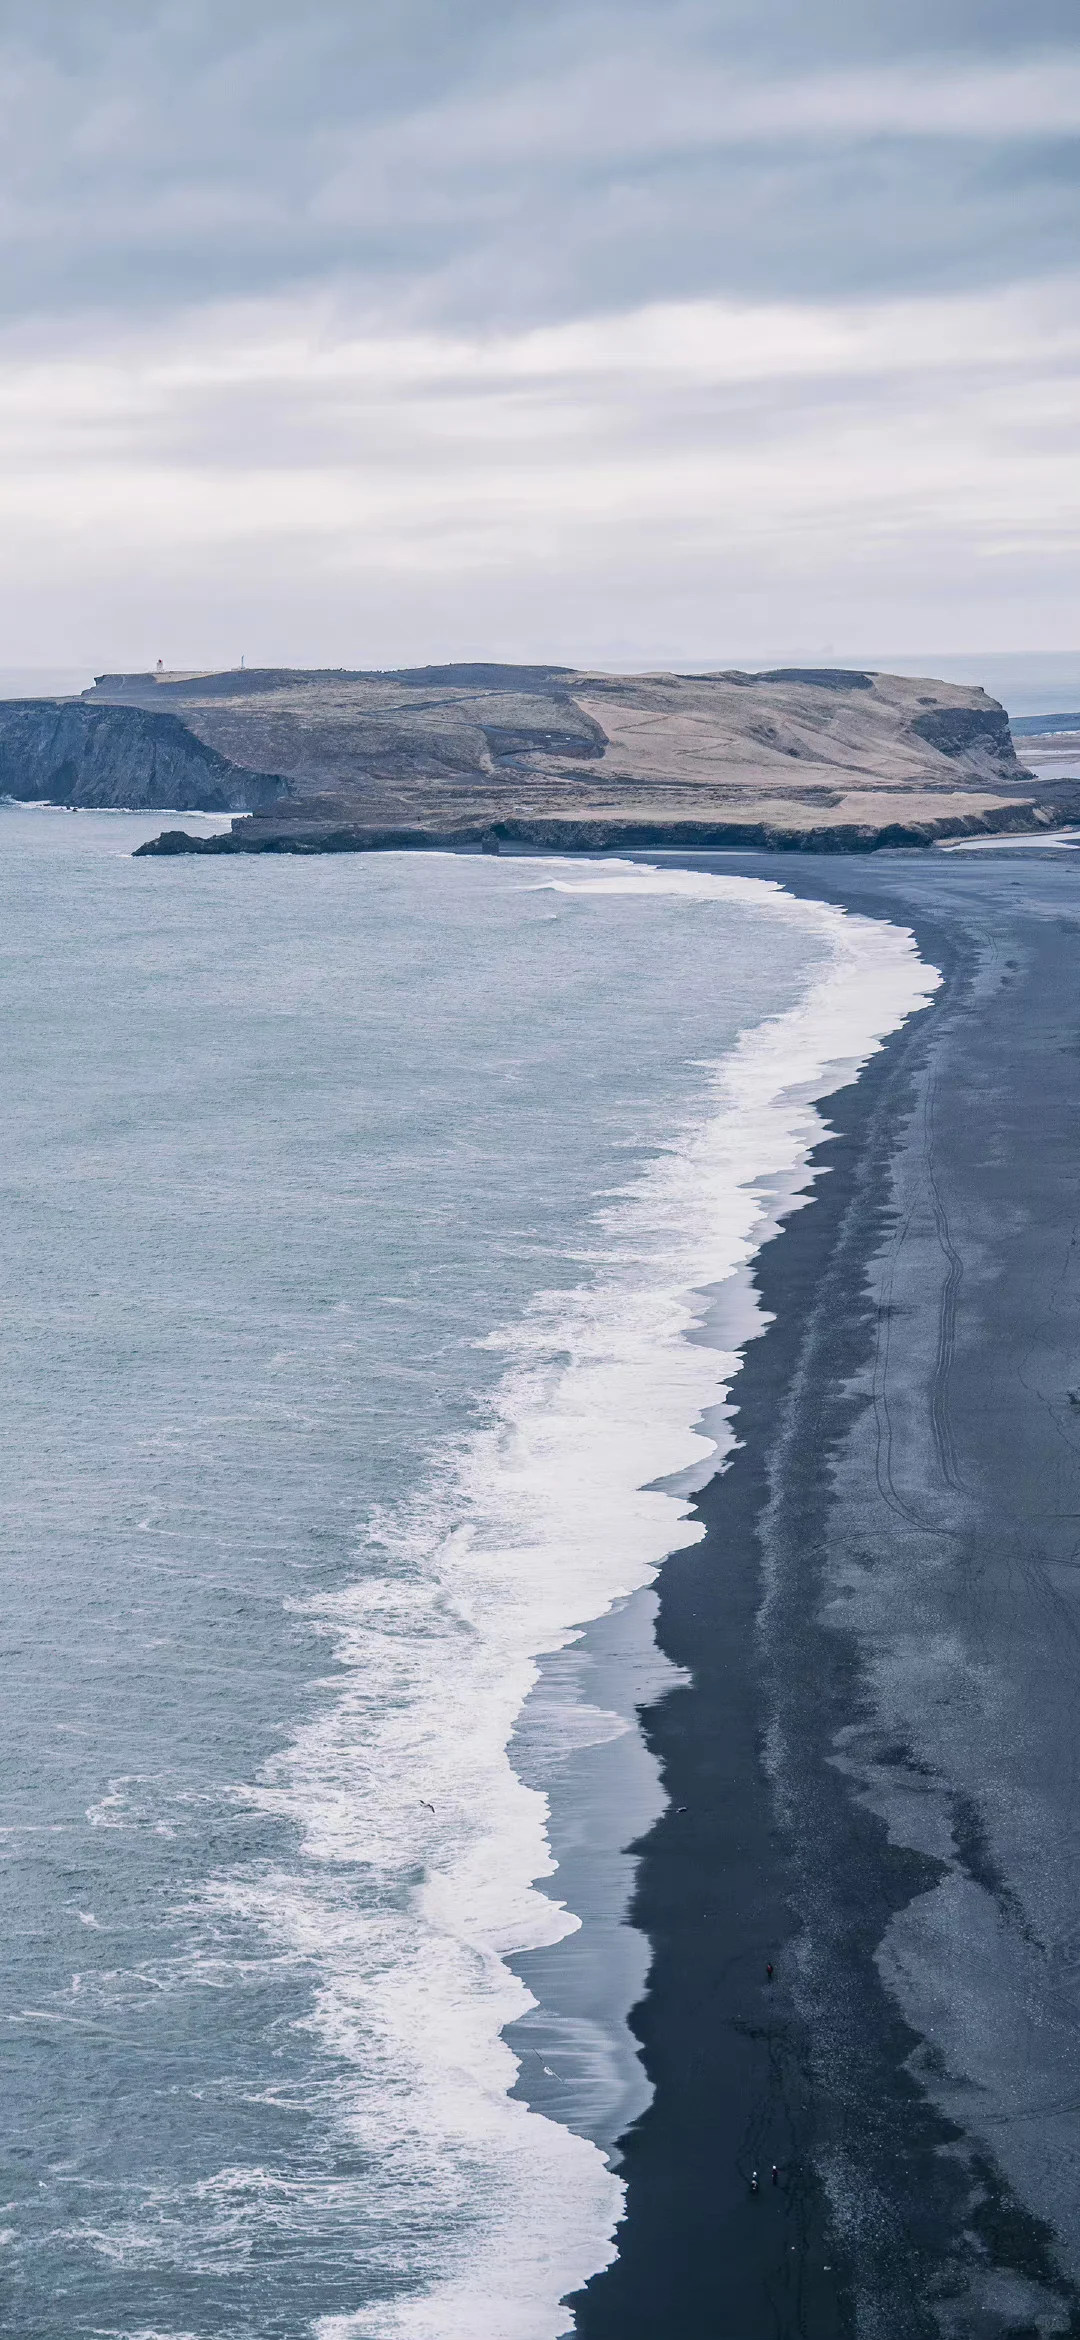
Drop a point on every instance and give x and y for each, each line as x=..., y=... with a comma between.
x=62, y=751
x=338, y=761
x=955, y=730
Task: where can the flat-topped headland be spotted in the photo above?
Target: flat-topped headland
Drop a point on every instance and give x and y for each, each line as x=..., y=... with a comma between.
x=543, y=756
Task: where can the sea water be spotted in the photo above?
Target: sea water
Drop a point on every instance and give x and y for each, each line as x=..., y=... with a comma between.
x=361, y=1221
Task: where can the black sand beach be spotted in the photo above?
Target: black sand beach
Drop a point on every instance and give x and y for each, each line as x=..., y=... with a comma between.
x=873, y=1775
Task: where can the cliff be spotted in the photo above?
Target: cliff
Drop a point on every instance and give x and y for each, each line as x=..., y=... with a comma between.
x=62, y=751
x=335, y=760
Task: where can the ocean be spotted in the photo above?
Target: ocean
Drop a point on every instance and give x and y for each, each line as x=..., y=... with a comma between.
x=376, y=1234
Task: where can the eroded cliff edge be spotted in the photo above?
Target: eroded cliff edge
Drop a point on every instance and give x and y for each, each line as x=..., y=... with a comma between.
x=64, y=751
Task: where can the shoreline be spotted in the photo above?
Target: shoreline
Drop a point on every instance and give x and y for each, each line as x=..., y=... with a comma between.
x=725, y=2047
x=578, y=2059
x=578, y=1739
x=603, y=1788
x=822, y=1832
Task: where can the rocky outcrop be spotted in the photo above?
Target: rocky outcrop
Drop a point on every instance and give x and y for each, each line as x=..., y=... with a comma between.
x=955, y=731
x=66, y=752
x=275, y=835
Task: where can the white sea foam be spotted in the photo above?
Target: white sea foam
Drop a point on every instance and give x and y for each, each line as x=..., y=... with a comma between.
x=544, y=1516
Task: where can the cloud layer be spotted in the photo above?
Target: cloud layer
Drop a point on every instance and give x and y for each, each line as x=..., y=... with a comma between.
x=661, y=330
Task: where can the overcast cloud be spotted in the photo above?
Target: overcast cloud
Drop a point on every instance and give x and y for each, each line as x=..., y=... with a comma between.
x=344, y=332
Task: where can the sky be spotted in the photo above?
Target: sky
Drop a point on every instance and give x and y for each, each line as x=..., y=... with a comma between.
x=373, y=332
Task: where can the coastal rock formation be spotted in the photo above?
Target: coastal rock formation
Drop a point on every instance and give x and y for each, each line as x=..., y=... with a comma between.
x=62, y=751
x=326, y=825
x=544, y=756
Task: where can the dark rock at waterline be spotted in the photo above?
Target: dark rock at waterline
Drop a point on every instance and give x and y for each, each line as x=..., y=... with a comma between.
x=249, y=836
x=270, y=835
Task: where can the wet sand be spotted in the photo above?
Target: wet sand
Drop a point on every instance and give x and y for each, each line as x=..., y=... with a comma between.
x=877, y=1751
